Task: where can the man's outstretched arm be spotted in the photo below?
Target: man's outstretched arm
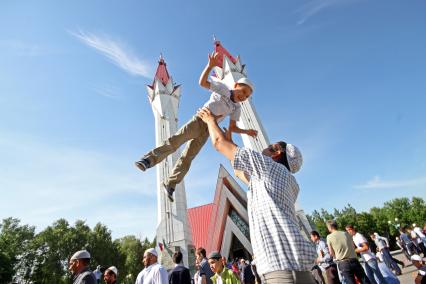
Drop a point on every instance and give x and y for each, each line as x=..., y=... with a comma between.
x=217, y=136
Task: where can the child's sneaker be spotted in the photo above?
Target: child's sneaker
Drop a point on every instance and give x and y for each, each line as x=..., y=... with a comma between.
x=143, y=164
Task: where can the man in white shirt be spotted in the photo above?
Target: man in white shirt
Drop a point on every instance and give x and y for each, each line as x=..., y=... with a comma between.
x=421, y=238
x=153, y=273
x=371, y=266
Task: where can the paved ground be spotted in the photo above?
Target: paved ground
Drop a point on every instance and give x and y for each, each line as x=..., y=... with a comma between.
x=407, y=276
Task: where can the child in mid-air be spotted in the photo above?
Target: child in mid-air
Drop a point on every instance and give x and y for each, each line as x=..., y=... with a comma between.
x=222, y=102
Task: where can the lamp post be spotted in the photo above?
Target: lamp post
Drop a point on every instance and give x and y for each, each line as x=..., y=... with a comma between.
x=395, y=224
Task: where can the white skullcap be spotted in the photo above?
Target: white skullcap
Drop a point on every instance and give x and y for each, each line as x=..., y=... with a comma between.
x=247, y=82
x=152, y=251
x=294, y=158
x=80, y=255
x=113, y=269
x=416, y=257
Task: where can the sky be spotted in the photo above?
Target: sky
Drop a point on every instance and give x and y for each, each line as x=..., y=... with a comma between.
x=344, y=80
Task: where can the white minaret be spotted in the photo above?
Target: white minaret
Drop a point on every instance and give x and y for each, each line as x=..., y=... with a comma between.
x=232, y=70
x=173, y=232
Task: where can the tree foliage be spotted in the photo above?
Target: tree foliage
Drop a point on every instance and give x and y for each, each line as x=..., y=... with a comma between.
x=14, y=242
x=26, y=257
x=386, y=221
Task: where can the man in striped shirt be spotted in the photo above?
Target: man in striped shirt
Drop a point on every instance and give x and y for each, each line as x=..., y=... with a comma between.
x=283, y=254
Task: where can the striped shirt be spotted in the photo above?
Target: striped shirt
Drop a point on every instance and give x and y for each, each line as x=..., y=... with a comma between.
x=276, y=238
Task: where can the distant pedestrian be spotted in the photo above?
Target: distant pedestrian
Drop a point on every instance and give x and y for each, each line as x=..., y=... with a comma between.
x=415, y=239
x=402, y=246
x=324, y=260
x=197, y=277
x=407, y=242
x=383, y=247
x=153, y=273
x=342, y=249
x=98, y=274
x=111, y=275
x=180, y=274
x=362, y=247
x=421, y=237
x=222, y=275
x=79, y=267
x=205, y=272
x=247, y=276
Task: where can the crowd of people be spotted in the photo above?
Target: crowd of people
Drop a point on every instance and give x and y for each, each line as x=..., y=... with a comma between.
x=336, y=262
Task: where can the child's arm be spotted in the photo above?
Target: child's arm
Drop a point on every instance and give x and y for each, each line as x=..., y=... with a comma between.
x=213, y=61
x=234, y=128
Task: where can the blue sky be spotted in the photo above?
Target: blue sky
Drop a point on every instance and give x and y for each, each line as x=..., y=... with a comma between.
x=342, y=79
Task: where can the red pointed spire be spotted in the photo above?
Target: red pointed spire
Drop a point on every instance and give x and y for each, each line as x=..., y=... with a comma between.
x=162, y=73
x=222, y=51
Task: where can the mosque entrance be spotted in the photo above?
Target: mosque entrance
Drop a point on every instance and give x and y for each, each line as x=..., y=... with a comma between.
x=238, y=250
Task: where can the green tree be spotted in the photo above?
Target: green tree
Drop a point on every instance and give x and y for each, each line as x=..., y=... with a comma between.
x=104, y=251
x=132, y=249
x=14, y=241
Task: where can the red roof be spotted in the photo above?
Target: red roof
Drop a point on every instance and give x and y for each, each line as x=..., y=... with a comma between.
x=199, y=220
x=162, y=73
x=222, y=51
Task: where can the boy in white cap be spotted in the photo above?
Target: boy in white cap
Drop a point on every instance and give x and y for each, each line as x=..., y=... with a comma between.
x=283, y=254
x=79, y=267
x=153, y=273
x=222, y=102
x=110, y=275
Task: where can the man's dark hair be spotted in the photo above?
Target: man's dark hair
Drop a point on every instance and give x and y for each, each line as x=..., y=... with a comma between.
x=201, y=251
x=177, y=257
x=283, y=157
x=332, y=224
x=349, y=226
x=315, y=233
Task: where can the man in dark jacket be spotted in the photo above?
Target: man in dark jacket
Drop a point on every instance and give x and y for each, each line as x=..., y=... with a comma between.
x=180, y=274
x=79, y=267
x=247, y=276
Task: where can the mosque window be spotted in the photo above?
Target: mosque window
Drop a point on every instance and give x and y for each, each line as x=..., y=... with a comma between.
x=241, y=224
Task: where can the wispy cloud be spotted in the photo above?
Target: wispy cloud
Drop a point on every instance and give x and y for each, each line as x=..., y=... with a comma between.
x=376, y=183
x=314, y=7
x=116, y=52
x=107, y=91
